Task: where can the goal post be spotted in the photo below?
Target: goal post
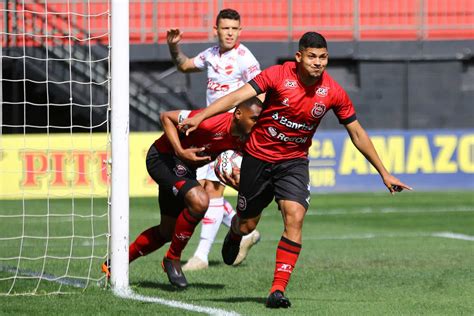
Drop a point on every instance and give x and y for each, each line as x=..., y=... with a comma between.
x=64, y=145
x=120, y=145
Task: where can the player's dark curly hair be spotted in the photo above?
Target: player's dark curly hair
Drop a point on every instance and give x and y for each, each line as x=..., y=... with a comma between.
x=312, y=40
x=230, y=14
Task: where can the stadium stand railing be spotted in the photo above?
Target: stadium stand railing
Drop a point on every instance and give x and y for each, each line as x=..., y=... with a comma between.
x=283, y=20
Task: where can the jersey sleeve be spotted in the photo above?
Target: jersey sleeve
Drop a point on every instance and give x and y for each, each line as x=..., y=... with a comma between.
x=184, y=114
x=343, y=107
x=249, y=66
x=266, y=80
x=201, y=59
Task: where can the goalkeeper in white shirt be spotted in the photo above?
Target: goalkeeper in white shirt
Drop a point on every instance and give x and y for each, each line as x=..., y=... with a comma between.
x=229, y=66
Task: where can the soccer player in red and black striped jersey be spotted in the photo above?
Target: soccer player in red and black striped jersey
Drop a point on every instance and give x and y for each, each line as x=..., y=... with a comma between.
x=275, y=163
x=172, y=161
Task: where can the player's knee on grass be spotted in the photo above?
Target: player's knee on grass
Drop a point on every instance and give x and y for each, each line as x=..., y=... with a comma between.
x=197, y=200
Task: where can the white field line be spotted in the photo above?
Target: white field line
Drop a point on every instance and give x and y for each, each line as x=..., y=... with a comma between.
x=385, y=210
x=129, y=294
x=449, y=235
x=311, y=212
x=340, y=211
x=453, y=236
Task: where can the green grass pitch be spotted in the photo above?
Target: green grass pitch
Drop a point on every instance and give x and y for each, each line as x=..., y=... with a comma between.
x=363, y=254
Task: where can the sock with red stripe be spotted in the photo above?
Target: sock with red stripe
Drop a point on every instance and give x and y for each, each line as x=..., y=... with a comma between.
x=147, y=242
x=286, y=257
x=228, y=213
x=185, y=225
x=209, y=228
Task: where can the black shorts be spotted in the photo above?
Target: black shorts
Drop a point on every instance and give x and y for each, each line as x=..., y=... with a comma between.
x=261, y=181
x=174, y=179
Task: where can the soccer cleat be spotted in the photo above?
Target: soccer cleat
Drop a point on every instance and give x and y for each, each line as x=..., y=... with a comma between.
x=106, y=268
x=174, y=272
x=230, y=249
x=245, y=245
x=277, y=300
x=195, y=263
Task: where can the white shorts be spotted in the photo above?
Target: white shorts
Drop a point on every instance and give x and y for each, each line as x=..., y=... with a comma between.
x=206, y=172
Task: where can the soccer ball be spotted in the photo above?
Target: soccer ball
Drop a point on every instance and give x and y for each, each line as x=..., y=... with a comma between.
x=225, y=162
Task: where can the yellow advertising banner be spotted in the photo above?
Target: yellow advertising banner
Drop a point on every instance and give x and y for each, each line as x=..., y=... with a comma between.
x=77, y=165
x=68, y=165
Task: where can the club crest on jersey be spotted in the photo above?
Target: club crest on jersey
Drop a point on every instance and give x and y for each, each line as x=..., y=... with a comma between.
x=180, y=170
x=273, y=131
x=229, y=69
x=217, y=136
x=318, y=110
x=291, y=84
x=322, y=91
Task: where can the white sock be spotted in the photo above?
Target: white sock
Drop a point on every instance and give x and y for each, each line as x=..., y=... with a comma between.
x=209, y=227
x=228, y=213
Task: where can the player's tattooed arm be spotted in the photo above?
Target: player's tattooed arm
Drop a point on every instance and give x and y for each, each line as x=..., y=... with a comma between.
x=182, y=62
x=179, y=58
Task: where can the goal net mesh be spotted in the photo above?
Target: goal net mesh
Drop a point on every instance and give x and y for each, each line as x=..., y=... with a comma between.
x=54, y=145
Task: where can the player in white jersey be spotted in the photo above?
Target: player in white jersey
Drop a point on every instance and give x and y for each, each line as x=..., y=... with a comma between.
x=226, y=71
x=229, y=66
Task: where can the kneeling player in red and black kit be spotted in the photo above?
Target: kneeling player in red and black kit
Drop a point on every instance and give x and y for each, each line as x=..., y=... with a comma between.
x=171, y=162
x=275, y=162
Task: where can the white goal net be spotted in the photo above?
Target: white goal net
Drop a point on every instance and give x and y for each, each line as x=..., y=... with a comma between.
x=55, y=145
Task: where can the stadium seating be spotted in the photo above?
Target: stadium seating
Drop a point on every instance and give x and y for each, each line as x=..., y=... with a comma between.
x=265, y=20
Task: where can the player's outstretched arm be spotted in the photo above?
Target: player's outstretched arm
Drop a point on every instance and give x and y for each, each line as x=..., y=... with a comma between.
x=182, y=62
x=361, y=140
x=169, y=121
x=221, y=105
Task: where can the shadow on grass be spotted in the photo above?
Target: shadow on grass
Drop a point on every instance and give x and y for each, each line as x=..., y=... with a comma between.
x=170, y=288
x=218, y=263
x=215, y=263
x=241, y=299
